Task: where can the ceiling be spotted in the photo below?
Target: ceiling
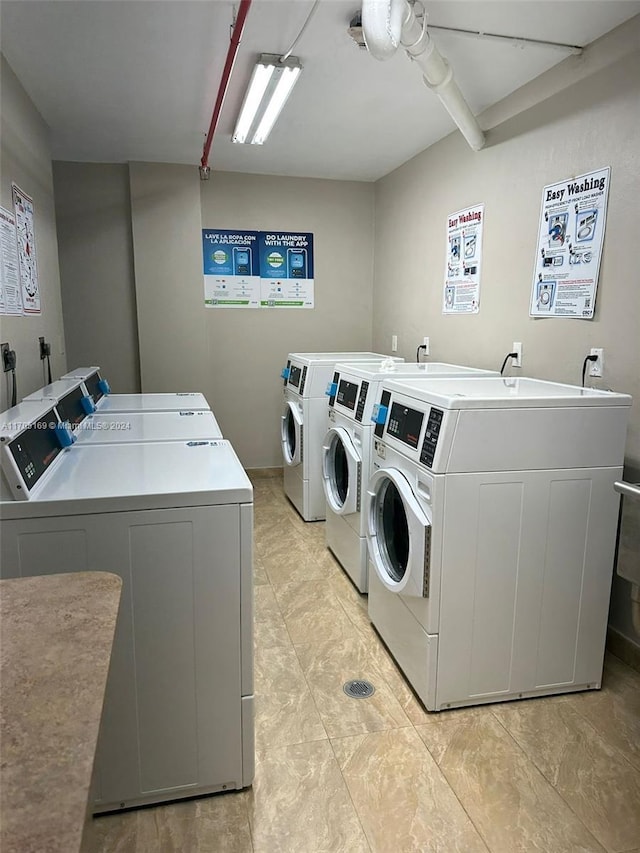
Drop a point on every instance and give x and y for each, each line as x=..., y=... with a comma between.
x=136, y=80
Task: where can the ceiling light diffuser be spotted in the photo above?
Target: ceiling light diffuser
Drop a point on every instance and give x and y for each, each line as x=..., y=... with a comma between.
x=270, y=86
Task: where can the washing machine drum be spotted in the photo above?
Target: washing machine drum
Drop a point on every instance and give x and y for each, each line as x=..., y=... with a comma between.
x=291, y=434
x=341, y=471
x=398, y=534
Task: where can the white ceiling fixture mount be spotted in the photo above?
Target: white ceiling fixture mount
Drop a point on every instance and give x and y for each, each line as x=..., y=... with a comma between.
x=271, y=84
x=393, y=24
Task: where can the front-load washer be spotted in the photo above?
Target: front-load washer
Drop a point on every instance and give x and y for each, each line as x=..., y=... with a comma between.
x=303, y=424
x=174, y=521
x=99, y=396
x=127, y=427
x=491, y=528
x=346, y=452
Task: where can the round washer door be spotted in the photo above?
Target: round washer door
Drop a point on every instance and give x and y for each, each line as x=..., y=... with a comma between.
x=291, y=434
x=398, y=534
x=341, y=467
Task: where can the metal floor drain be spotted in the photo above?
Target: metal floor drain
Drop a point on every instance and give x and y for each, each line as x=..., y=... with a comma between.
x=359, y=689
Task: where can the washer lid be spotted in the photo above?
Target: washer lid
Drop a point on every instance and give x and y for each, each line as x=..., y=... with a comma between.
x=120, y=477
x=332, y=357
x=409, y=370
x=497, y=392
x=128, y=427
x=55, y=390
x=189, y=400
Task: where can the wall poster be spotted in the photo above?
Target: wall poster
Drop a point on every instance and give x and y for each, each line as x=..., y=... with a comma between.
x=230, y=264
x=464, y=260
x=570, y=235
x=26, y=241
x=286, y=270
x=10, y=294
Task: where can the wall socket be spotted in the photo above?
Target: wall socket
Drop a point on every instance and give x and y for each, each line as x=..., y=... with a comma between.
x=516, y=347
x=425, y=344
x=596, y=367
x=394, y=343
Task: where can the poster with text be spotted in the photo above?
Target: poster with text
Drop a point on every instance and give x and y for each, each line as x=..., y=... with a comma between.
x=286, y=270
x=26, y=242
x=10, y=295
x=570, y=236
x=231, y=268
x=464, y=260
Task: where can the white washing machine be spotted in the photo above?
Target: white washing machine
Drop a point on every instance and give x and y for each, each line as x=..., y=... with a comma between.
x=99, y=396
x=99, y=428
x=174, y=521
x=303, y=424
x=346, y=452
x=491, y=528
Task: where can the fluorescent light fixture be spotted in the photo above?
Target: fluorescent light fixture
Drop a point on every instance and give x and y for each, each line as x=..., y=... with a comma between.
x=270, y=86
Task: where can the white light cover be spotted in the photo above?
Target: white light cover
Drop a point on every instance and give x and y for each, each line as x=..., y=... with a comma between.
x=278, y=99
x=259, y=82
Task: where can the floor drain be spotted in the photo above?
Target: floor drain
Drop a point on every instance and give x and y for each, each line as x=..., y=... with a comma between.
x=359, y=689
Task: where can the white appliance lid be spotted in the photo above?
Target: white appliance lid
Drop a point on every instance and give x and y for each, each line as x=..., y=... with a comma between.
x=19, y=417
x=330, y=357
x=497, y=392
x=80, y=372
x=55, y=390
x=401, y=370
x=130, y=427
x=118, y=477
x=153, y=402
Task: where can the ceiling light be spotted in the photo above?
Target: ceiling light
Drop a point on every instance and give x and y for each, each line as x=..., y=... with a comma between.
x=270, y=86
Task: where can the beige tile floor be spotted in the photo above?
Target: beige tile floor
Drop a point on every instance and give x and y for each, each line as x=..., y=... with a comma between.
x=556, y=775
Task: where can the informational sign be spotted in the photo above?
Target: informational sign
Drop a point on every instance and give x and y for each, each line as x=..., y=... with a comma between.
x=570, y=236
x=286, y=270
x=10, y=295
x=231, y=269
x=26, y=242
x=464, y=260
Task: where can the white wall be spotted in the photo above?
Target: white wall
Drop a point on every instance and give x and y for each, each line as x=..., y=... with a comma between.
x=25, y=158
x=96, y=269
x=234, y=355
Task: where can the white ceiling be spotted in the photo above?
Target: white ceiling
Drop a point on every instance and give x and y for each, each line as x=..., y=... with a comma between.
x=135, y=80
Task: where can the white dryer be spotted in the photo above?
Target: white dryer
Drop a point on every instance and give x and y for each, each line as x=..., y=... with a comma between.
x=303, y=424
x=174, y=521
x=99, y=396
x=346, y=452
x=491, y=527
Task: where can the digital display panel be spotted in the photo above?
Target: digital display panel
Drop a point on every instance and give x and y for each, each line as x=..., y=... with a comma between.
x=294, y=376
x=347, y=394
x=405, y=424
x=70, y=407
x=93, y=390
x=36, y=448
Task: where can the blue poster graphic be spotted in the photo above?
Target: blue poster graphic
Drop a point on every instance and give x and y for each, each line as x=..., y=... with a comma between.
x=231, y=268
x=286, y=269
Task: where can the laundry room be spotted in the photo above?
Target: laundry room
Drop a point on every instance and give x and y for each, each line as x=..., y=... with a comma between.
x=471, y=259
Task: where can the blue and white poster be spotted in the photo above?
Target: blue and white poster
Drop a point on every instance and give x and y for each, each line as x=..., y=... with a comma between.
x=231, y=268
x=286, y=269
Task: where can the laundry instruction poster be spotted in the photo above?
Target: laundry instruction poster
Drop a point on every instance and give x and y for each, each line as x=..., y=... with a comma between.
x=10, y=295
x=26, y=243
x=573, y=216
x=231, y=269
x=464, y=260
x=286, y=269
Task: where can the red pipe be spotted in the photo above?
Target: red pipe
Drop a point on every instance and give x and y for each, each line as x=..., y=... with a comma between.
x=238, y=28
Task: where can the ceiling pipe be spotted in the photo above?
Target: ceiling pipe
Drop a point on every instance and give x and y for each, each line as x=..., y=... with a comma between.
x=390, y=24
x=234, y=44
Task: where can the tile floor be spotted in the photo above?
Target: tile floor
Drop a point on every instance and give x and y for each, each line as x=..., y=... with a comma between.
x=381, y=774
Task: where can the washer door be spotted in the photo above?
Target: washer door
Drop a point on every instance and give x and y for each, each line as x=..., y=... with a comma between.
x=291, y=434
x=398, y=534
x=341, y=467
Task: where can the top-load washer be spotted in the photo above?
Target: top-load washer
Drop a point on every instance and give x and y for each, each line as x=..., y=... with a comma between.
x=99, y=396
x=303, y=424
x=491, y=527
x=127, y=427
x=346, y=452
x=174, y=521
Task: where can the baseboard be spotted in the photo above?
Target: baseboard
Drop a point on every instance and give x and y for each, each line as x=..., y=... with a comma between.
x=624, y=648
x=264, y=473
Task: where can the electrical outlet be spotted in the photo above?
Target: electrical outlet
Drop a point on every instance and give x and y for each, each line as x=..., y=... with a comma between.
x=45, y=348
x=596, y=367
x=425, y=343
x=517, y=348
x=394, y=343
